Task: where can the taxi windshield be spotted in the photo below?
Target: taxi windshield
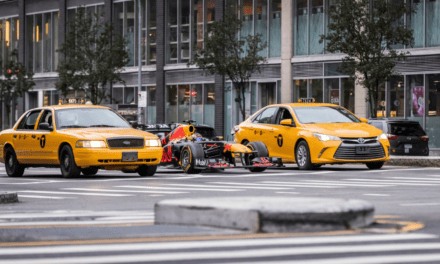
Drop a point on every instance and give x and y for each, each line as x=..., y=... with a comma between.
x=88, y=117
x=324, y=114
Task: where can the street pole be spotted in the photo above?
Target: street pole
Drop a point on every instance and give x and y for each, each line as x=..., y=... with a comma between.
x=139, y=59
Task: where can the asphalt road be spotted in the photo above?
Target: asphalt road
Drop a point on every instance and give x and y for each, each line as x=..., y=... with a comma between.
x=109, y=218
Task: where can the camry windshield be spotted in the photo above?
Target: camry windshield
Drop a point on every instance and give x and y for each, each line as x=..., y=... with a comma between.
x=324, y=114
x=88, y=117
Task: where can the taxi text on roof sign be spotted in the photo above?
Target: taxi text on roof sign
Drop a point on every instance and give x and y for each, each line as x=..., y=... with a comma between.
x=64, y=101
x=306, y=100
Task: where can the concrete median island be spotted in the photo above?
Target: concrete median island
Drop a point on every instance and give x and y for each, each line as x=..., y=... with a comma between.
x=267, y=214
x=8, y=198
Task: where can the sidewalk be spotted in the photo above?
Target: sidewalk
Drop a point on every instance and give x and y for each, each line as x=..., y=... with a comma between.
x=418, y=161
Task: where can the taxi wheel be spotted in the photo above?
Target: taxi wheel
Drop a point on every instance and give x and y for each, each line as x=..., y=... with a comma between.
x=67, y=163
x=188, y=157
x=145, y=170
x=262, y=152
x=89, y=171
x=375, y=165
x=13, y=168
x=302, y=156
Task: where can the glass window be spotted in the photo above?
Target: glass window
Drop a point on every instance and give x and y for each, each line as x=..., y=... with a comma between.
x=347, y=94
x=261, y=23
x=46, y=117
x=56, y=21
x=330, y=5
x=15, y=33
x=29, y=121
x=38, y=42
x=316, y=85
x=151, y=32
x=88, y=117
x=398, y=22
x=253, y=97
x=283, y=114
x=129, y=30
x=432, y=23
x=397, y=97
x=301, y=28
x=7, y=38
x=331, y=91
x=324, y=114
x=266, y=116
x=196, y=101
x=47, y=33
x=30, y=43
x=300, y=89
x=209, y=107
x=129, y=95
x=333, y=69
x=248, y=18
x=415, y=22
x=316, y=27
x=118, y=95
x=381, y=103
x=33, y=100
x=417, y=95
x=184, y=102
x=275, y=29
x=151, y=105
x=433, y=118
x=171, y=104
x=198, y=23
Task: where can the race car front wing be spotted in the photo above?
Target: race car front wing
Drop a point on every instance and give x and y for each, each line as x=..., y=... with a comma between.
x=269, y=162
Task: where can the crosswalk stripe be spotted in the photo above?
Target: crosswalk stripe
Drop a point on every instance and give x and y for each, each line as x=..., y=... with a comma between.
x=46, y=197
x=176, y=188
x=76, y=223
x=325, y=183
x=395, y=182
x=74, y=193
x=231, y=254
x=218, y=186
x=406, y=258
x=290, y=185
x=408, y=178
x=60, y=214
x=213, y=244
x=129, y=191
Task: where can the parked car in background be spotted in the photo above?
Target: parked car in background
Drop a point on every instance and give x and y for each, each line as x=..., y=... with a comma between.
x=406, y=137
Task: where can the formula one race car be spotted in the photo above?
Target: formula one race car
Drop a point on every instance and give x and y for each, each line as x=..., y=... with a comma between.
x=196, y=147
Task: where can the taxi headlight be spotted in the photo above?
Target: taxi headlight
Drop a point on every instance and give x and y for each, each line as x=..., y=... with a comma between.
x=153, y=143
x=382, y=136
x=90, y=144
x=323, y=137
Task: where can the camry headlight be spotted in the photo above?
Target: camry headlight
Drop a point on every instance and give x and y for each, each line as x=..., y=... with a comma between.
x=90, y=144
x=153, y=143
x=382, y=136
x=323, y=137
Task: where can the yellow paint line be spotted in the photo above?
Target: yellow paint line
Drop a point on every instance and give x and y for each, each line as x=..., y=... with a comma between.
x=386, y=216
x=74, y=225
x=406, y=225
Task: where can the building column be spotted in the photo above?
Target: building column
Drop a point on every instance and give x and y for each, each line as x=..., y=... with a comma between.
x=286, y=51
x=62, y=27
x=219, y=81
x=360, y=103
x=21, y=52
x=160, y=61
x=108, y=18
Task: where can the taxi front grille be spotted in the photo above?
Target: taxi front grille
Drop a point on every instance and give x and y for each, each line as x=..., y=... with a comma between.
x=126, y=142
x=121, y=161
x=348, y=152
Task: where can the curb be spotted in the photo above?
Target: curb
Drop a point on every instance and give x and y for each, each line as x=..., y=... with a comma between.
x=8, y=198
x=267, y=214
x=414, y=161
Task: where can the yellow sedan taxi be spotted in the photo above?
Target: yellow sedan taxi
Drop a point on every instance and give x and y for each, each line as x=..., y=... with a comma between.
x=314, y=134
x=78, y=139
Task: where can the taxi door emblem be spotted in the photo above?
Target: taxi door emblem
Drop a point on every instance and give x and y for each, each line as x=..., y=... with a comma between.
x=43, y=141
x=361, y=140
x=280, y=140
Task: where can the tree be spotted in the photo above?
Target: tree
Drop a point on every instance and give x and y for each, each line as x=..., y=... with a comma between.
x=368, y=37
x=228, y=54
x=93, y=57
x=16, y=82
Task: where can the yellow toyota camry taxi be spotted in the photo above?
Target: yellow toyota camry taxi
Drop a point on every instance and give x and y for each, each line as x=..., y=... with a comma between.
x=78, y=139
x=313, y=134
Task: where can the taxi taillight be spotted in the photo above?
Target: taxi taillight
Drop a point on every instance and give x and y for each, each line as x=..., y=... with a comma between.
x=392, y=137
x=424, y=138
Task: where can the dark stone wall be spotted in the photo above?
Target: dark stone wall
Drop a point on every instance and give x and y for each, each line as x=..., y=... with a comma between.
x=9, y=9
x=160, y=61
x=72, y=3
x=33, y=6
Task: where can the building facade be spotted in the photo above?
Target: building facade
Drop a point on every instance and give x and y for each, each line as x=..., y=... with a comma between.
x=297, y=64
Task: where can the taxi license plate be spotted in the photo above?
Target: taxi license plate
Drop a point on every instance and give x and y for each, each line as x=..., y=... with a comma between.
x=129, y=156
x=362, y=150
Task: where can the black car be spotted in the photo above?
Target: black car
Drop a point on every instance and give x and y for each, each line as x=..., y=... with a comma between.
x=406, y=137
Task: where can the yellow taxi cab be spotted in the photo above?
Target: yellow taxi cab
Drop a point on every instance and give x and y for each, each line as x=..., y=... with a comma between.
x=78, y=138
x=314, y=134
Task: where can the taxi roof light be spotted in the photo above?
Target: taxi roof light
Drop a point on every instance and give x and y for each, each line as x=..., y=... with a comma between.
x=306, y=100
x=65, y=101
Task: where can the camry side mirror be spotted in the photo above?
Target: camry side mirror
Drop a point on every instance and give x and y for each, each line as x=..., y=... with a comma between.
x=287, y=122
x=45, y=126
x=134, y=124
x=363, y=120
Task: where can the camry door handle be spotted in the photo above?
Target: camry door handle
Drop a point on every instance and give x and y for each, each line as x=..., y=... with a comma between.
x=33, y=136
x=251, y=128
x=271, y=130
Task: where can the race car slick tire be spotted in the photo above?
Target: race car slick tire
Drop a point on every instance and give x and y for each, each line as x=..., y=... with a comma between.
x=13, y=168
x=262, y=152
x=67, y=163
x=89, y=171
x=145, y=170
x=302, y=156
x=375, y=165
x=188, y=156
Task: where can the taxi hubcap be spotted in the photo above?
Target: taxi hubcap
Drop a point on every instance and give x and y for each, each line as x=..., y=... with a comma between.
x=66, y=162
x=302, y=155
x=11, y=161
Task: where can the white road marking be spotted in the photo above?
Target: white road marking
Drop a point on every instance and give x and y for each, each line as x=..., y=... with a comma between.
x=245, y=185
x=391, y=170
x=407, y=178
x=420, y=204
x=76, y=193
x=211, y=244
x=326, y=183
x=129, y=191
x=176, y=188
x=289, y=192
x=395, y=182
x=231, y=254
x=44, y=197
x=375, y=194
x=61, y=223
x=63, y=213
x=291, y=185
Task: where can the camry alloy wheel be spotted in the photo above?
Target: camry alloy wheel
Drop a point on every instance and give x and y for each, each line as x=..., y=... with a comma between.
x=302, y=155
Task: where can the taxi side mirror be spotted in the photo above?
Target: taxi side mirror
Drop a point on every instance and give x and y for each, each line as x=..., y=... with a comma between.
x=45, y=126
x=287, y=122
x=134, y=124
x=363, y=120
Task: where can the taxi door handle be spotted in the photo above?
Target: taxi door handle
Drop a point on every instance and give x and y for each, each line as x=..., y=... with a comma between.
x=251, y=128
x=15, y=136
x=33, y=136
